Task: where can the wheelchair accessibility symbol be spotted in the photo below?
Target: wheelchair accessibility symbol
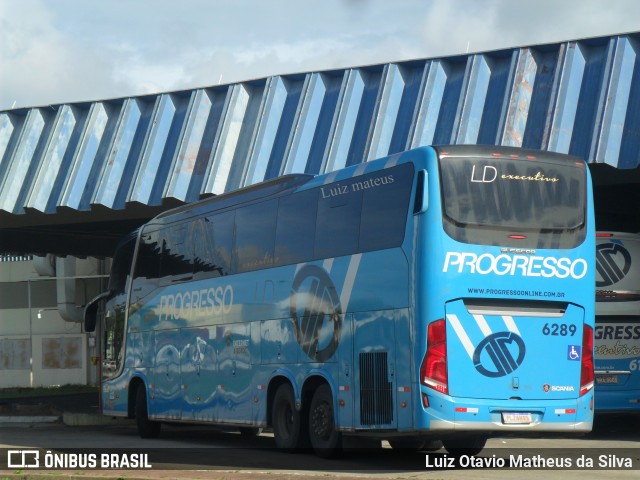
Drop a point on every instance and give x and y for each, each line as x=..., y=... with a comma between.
x=573, y=353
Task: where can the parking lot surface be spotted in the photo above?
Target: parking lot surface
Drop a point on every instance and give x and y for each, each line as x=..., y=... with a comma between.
x=204, y=453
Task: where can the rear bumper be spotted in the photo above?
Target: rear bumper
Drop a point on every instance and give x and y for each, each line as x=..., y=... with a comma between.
x=617, y=401
x=471, y=426
x=481, y=415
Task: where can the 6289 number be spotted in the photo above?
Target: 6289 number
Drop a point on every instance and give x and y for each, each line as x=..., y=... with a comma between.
x=559, y=329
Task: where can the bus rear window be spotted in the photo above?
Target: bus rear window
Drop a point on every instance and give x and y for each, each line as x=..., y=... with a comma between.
x=537, y=203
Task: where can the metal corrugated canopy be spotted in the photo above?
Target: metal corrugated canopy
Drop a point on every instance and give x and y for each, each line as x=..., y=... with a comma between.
x=84, y=173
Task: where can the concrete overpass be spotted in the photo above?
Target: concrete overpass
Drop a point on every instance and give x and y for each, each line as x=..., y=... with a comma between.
x=76, y=177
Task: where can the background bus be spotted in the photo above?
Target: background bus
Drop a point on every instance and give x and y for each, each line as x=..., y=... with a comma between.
x=438, y=293
x=617, y=337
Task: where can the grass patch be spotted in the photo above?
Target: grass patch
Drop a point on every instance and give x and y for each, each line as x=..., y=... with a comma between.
x=8, y=393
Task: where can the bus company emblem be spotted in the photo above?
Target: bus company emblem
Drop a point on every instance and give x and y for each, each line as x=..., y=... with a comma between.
x=316, y=313
x=499, y=354
x=613, y=262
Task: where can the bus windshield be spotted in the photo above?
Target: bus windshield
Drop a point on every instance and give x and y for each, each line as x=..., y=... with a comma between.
x=536, y=205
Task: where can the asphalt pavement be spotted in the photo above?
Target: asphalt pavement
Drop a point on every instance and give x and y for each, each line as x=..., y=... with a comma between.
x=239, y=459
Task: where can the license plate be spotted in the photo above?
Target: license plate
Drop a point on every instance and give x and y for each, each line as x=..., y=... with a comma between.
x=606, y=379
x=515, y=418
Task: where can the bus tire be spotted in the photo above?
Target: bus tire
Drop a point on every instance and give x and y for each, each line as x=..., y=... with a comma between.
x=289, y=429
x=468, y=445
x=146, y=428
x=325, y=438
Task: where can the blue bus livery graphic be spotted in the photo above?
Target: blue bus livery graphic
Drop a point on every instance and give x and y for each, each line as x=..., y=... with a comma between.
x=378, y=300
x=503, y=361
x=521, y=265
x=608, y=269
x=316, y=310
x=209, y=301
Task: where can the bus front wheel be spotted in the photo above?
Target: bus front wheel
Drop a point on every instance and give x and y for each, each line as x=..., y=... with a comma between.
x=146, y=428
x=325, y=438
x=289, y=429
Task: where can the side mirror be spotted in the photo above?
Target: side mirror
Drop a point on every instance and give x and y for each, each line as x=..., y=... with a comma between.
x=91, y=311
x=421, y=204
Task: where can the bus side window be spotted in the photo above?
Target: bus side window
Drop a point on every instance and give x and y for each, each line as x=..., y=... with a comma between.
x=213, y=244
x=384, y=208
x=255, y=236
x=177, y=253
x=338, y=225
x=115, y=315
x=147, y=268
x=121, y=267
x=223, y=236
x=296, y=228
x=204, y=261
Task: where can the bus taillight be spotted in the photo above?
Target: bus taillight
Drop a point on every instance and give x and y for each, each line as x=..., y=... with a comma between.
x=433, y=371
x=586, y=371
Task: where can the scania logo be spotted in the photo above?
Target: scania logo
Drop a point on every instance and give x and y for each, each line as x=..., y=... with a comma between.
x=613, y=262
x=499, y=354
x=316, y=313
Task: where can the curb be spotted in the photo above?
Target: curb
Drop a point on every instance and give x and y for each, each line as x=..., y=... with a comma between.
x=68, y=418
x=29, y=419
x=91, y=419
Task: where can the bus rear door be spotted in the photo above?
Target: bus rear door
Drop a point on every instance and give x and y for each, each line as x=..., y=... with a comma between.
x=518, y=350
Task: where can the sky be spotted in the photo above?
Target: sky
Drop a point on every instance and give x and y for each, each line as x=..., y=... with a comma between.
x=64, y=51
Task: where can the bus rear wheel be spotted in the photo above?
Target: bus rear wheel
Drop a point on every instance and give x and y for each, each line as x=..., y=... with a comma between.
x=289, y=429
x=146, y=428
x=325, y=438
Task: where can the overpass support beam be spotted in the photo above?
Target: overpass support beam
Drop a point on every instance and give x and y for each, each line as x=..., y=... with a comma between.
x=66, y=289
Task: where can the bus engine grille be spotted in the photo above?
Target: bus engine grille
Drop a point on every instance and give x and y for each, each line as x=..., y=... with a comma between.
x=376, y=400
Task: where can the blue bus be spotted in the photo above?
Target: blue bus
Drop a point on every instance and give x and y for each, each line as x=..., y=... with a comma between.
x=617, y=334
x=439, y=293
